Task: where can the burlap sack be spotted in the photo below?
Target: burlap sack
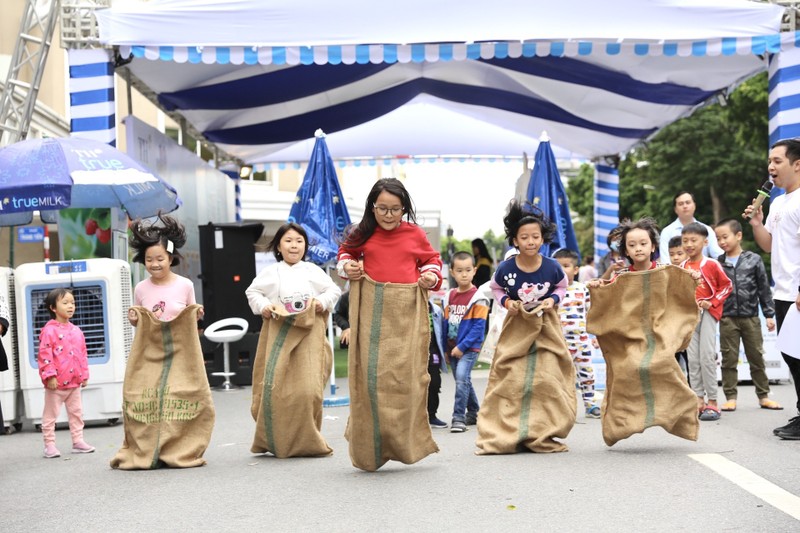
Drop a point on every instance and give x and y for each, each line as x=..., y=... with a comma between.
x=167, y=410
x=388, y=374
x=641, y=320
x=530, y=397
x=293, y=363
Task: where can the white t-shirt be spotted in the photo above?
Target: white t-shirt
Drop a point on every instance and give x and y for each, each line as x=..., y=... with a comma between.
x=783, y=223
x=291, y=287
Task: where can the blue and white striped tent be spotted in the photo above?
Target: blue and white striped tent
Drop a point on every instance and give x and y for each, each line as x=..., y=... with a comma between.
x=444, y=77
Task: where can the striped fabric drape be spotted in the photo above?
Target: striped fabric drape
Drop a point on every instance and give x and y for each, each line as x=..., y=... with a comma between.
x=606, y=206
x=91, y=95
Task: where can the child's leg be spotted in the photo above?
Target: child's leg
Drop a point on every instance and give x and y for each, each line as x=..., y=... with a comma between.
x=75, y=412
x=754, y=353
x=708, y=356
x=462, y=369
x=434, y=387
x=585, y=375
x=53, y=399
x=693, y=361
x=729, y=337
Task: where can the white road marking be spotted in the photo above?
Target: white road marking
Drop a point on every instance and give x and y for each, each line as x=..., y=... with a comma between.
x=754, y=484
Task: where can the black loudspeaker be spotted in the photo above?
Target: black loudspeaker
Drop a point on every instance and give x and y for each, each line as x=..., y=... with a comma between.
x=228, y=266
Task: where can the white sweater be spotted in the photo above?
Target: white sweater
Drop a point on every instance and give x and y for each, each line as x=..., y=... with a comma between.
x=291, y=287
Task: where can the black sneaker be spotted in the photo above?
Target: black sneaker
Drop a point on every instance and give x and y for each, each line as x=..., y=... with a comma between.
x=472, y=419
x=436, y=423
x=458, y=426
x=792, y=422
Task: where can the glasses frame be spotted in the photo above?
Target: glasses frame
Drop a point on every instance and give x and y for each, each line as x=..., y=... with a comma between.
x=383, y=210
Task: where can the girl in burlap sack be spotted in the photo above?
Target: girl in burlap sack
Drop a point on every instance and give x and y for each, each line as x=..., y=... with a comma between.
x=530, y=397
x=384, y=255
x=168, y=413
x=293, y=356
x=641, y=320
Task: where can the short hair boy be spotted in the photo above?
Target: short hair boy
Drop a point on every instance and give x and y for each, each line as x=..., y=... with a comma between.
x=572, y=311
x=465, y=313
x=712, y=289
x=676, y=253
x=740, y=320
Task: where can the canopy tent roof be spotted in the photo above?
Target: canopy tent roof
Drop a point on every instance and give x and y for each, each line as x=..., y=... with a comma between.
x=259, y=78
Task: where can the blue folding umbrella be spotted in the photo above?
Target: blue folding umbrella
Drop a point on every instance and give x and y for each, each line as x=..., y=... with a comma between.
x=50, y=174
x=546, y=191
x=319, y=206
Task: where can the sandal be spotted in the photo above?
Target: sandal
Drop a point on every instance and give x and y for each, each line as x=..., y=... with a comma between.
x=771, y=404
x=710, y=413
x=730, y=405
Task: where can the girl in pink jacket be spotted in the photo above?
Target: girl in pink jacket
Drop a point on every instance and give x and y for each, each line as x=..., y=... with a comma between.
x=64, y=369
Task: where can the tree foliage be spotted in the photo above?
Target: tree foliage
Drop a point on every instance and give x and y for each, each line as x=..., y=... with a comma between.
x=718, y=153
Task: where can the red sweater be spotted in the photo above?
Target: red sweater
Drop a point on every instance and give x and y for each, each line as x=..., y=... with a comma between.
x=717, y=282
x=397, y=256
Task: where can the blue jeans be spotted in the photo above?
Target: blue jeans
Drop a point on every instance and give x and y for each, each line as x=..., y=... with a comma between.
x=466, y=399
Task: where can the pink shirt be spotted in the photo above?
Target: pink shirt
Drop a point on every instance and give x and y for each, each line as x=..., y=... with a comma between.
x=62, y=353
x=165, y=301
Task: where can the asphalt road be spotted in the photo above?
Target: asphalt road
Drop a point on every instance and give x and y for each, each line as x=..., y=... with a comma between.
x=737, y=477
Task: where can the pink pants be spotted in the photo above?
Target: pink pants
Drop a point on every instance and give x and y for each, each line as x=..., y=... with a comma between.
x=53, y=400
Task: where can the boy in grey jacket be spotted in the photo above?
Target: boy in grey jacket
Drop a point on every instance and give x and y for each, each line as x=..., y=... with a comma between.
x=740, y=315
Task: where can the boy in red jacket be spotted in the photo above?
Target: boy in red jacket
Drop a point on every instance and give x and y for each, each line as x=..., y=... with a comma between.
x=712, y=290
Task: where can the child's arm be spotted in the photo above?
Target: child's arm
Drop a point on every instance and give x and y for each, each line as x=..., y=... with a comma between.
x=724, y=284
x=84, y=358
x=46, y=358
x=765, y=295
x=349, y=264
x=475, y=322
x=327, y=292
x=558, y=293
x=256, y=293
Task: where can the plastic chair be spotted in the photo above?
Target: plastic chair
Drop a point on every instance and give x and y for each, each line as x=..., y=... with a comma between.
x=226, y=331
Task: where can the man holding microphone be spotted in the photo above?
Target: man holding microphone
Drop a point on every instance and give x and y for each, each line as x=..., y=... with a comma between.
x=780, y=236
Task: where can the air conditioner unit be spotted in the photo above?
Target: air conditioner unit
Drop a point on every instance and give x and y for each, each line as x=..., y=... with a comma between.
x=103, y=295
x=9, y=380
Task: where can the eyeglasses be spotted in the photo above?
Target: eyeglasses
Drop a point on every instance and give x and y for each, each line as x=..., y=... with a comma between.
x=383, y=210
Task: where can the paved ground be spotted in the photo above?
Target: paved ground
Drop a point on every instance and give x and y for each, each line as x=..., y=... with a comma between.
x=650, y=482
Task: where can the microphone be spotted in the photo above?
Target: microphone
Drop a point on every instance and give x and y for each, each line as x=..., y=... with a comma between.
x=762, y=194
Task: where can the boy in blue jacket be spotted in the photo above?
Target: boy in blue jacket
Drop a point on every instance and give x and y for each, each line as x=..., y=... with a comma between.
x=465, y=314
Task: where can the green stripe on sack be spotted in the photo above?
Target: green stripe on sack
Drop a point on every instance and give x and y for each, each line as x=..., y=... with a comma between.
x=372, y=370
x=169, y=353
x=527, y=393
x=269, y=378
x=644, y=366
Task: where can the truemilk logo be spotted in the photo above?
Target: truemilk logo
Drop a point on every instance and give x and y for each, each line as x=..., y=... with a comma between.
x=38, y=202
x=92, y=160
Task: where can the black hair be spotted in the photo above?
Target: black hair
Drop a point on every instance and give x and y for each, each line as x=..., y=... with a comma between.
x=732, y=223
x=519, y=214
x=53, y=297
x=695, y=228
x=483, y=251
x=357, y=234
x=647, y=224
x=615, y=232
x=461, y=255
x=566, y=253
x=274, y=244
x=143, y=236
x=681, y=193
x=792, y=147
x=675, y=242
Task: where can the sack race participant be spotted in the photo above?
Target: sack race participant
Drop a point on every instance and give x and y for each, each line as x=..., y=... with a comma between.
x=167, y=408
x=388, y=373
x=530, y=397
x=293, y=363
x=641, y=320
